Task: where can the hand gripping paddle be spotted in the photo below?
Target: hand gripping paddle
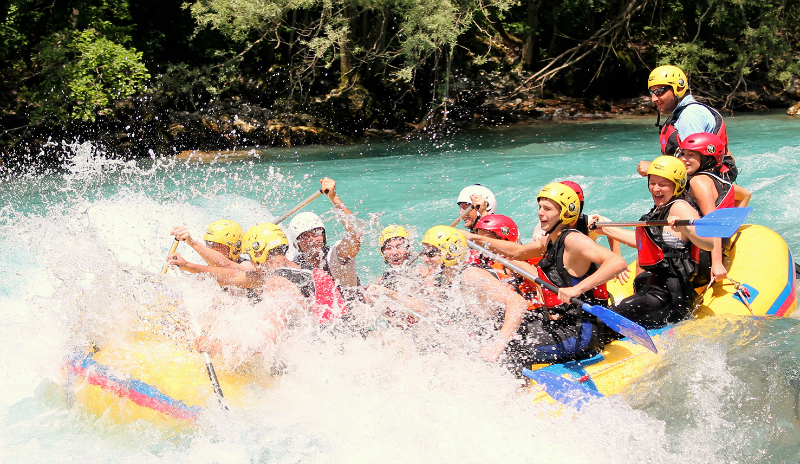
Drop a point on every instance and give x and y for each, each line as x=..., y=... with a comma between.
x=614, y=321
x=719, y=223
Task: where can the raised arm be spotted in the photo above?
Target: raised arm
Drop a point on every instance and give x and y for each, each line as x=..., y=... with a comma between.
x=350, y=244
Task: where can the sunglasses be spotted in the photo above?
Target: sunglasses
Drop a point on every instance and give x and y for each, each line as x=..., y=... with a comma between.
x=431, y=252
x=659, y=91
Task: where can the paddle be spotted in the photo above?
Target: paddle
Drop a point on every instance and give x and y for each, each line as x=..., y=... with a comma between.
x=561, y=389
x=212, y=374
x=298, y=207
x=719, y=223
x=461, y=216
x=174, y=247
x=613, y=320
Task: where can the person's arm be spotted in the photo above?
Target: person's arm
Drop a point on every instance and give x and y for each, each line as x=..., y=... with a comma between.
x=224, y=276
x=579, y=253
x=618, y=234
x=490, y=292
x=683, y=211
x=212, y=257
x=642, y=168
x=349, y=246
x=705, y=195
x=508, y=249
x=741, y=196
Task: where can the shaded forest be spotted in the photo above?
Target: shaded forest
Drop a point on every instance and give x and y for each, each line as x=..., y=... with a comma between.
x=141, y=75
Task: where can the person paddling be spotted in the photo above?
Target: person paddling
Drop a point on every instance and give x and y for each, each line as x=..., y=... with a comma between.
x=664, y=293
x=571, y=261
x=308, y=236
x=482, y=201
x=275, y=275
x=222, y=244
x=702, y=155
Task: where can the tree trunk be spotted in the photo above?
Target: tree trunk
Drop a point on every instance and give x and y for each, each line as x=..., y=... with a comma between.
x=532, y=30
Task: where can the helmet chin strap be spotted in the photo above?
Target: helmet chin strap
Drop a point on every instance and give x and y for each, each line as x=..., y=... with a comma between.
x=658, y=119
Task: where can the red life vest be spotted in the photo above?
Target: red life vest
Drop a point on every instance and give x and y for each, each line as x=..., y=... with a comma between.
x=328, y=301
x=669, y=138
x=655, y=255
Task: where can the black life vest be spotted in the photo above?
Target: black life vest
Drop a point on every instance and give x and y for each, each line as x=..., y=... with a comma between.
x=726, y=196
x=328, y=303
x=657, y=257
x=552, y=270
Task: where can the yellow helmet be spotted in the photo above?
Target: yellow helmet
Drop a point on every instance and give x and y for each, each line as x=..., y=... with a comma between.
x=389, y=233
x=259, y=240
x=670, y=75
x=450, y=242
x=670, y=168
x=392, y=232
x=227, y=233
x=565, y=197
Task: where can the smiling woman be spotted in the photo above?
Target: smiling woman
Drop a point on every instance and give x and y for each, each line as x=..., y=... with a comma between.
x=668, y=255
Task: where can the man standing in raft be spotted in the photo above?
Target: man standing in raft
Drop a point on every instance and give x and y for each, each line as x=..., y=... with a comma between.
x=571, y=261
x=669, y=88
x=307, y=234
x=664, y=293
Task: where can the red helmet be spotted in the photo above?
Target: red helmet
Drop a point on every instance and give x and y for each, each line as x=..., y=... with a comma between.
x=501, y=225
x=575, y=187
x=706, y=143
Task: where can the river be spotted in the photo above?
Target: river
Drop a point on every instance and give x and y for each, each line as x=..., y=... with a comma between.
x=77, y=241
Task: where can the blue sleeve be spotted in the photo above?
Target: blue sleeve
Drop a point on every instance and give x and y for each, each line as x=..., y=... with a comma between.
x=694, y=119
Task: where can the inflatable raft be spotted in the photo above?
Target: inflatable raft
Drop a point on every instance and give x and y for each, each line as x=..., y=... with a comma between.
x=762, y=283
x=152, y=378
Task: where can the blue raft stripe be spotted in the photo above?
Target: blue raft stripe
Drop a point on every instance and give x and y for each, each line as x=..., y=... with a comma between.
x=575, y=369
x=134, y=385
x=786, y=292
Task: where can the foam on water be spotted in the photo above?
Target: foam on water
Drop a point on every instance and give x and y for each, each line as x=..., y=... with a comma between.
x=82, y=247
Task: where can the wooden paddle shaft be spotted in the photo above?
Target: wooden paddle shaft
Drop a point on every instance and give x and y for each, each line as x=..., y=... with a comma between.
x=174, y=247
x=680, y=222
x=461, y=216
x=298, y=207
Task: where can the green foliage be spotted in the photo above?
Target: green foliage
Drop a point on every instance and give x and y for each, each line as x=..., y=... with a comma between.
x=188, y=88
x=83, y=74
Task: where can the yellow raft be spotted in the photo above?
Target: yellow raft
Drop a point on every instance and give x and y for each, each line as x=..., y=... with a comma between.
x=762, y=283
x=154, y=379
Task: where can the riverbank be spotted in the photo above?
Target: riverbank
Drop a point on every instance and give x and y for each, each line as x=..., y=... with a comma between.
x=137, y=130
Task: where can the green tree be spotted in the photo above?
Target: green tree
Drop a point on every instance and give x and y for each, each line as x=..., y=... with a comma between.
x=83, y=74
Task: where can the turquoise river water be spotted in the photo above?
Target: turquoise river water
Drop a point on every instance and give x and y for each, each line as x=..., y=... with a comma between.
x=79, y=242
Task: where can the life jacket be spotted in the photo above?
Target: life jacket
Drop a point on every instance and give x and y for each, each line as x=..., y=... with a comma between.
x=657, y=257
x=328, y=300
x=726, y=196
x=552, y=270
x=670, y=141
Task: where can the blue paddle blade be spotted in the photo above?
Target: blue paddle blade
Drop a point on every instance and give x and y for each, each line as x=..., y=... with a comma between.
x=623, y=325
x=721, y=222
x=561, y=389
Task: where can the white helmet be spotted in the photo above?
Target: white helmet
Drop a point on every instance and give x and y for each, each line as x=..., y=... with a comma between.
x=478, y=189
x=303, y=222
